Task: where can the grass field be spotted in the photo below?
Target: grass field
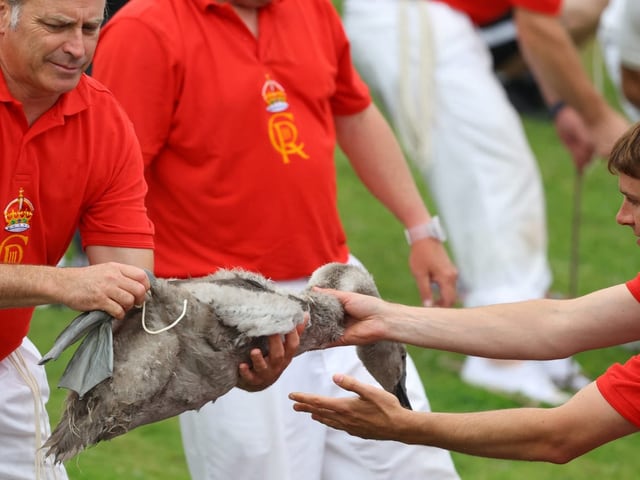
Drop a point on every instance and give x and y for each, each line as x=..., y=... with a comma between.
x=608, y=255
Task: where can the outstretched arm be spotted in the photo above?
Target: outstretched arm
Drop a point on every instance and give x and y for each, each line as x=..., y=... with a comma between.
x=535, y=329
x=555, y=435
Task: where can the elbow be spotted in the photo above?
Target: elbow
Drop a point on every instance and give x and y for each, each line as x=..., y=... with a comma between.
x=560, y=451
x=561, y=456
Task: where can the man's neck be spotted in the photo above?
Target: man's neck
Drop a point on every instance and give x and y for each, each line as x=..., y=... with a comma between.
x=249, y=17
x=33, y=106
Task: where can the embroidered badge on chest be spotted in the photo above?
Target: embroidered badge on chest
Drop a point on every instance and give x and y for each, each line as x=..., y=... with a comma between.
x=18, y=213
x=283, y=132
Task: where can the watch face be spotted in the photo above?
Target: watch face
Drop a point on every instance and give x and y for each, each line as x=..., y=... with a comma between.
x=436, y=229
x=433, y=229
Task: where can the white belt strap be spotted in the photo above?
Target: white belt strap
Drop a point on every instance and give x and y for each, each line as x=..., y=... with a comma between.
x=414, y=116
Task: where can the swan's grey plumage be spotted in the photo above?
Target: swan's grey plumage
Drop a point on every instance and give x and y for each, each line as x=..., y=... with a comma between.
x=227, y=314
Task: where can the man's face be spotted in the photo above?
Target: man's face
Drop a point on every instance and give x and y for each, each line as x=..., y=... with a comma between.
x=629, y=213
x=45, y=52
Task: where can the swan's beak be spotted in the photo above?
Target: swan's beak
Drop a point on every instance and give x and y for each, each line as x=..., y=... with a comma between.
x=400, y=391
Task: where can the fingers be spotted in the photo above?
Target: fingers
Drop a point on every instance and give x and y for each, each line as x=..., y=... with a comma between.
x=134, y=281
x=311, y=403
x=437, y=292
x=426, y=293
x=448, y=294
x=350, y=384
x=430, y=265
x=265, y=370
x=115, y=309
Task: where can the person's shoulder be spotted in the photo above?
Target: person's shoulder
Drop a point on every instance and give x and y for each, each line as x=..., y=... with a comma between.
x=92, y=89
x=99, y=98
x=141, y=9
x=156, y=16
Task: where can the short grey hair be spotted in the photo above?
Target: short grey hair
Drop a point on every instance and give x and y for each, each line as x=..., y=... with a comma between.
x=16, y=9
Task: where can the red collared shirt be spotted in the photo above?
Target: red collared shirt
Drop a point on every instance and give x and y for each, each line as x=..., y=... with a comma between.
x=77, y=166
x=237, y=132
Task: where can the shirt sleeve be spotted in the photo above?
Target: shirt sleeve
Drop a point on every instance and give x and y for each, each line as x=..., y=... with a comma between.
x=634, y=287
x=352, y=94
x=549, y=7
x=145, y=87
x=115, y=214
x=620, y=386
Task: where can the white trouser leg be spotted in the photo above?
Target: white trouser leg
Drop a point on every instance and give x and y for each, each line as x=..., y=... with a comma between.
x=24, y=423
x=480, y=169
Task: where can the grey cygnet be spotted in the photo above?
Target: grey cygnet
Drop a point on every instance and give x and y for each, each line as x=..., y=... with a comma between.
x=227, y=314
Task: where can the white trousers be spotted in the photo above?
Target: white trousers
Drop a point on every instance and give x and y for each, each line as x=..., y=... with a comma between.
x=258, y=436
x=24, y=423
x=432, y=72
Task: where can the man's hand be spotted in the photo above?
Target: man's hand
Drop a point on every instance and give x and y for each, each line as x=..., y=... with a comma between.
x=575, y=136
x=430, y=265
x=266, y=370
x=373, y=414
x=111, y=287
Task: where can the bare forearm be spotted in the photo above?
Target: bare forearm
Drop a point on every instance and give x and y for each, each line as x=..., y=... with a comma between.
x=550, y=53
x=555, y=435
x=537, y=329
x=495, y=332
x=28, y=285
x=105, y=285
x=375, y=155
x=519, y=434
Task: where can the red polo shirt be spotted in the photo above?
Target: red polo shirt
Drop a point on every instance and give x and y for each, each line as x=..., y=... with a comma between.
x=77, y=166
x=237, y=132
x=620, y=384
x=482, y=12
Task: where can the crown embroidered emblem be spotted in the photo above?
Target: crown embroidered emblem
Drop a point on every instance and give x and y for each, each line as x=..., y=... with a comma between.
x=274, y=95
x=18, y=213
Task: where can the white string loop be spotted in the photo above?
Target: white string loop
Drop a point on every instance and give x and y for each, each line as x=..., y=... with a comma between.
x=168, y=327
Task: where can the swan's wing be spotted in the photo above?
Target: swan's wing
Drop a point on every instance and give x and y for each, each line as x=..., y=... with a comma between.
x=248, y=306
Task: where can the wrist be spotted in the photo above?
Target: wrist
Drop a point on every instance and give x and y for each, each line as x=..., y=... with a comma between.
x=555, y=109
x=431, y=229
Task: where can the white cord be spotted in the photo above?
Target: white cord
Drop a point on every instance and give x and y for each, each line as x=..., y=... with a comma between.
x=414, y=117
x=168, y=327
x=21, y=367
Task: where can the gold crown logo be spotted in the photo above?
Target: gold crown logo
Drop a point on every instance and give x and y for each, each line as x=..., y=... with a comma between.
x=274, y=96
x=18, y=213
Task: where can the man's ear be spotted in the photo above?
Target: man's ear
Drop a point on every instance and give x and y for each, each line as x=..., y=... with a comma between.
x=4, y=16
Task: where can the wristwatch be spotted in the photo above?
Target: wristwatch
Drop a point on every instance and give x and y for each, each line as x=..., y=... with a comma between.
x=431, y=229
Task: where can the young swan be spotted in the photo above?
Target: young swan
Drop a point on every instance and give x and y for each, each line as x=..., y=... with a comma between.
x=157, y=376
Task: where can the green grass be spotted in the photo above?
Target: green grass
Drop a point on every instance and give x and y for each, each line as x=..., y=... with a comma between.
x=608, y=256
